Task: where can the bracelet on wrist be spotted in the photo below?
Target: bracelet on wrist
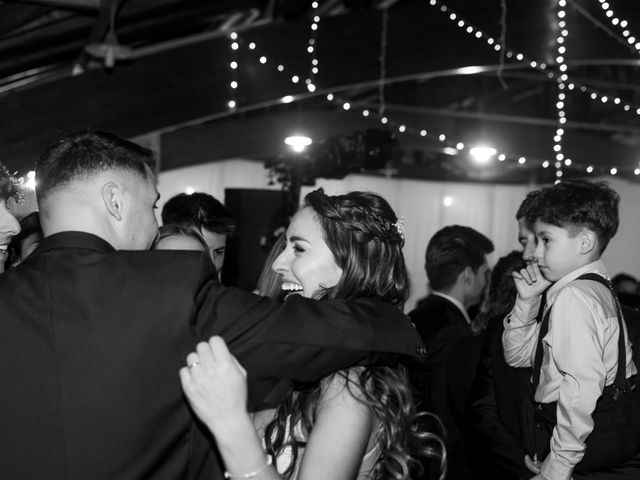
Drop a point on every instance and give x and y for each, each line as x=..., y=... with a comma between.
x=252, y=474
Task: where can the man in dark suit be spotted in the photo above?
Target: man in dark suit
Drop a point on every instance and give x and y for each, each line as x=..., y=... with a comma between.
x=500, y=407
x=94, y=331
x=456, y=264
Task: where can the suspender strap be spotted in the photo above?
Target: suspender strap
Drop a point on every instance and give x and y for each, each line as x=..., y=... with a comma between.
x=620, y=383
x=544, y=328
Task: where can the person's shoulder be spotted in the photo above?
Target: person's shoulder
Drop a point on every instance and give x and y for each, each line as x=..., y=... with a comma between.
x=583, y=289
x=343, y=388
x=435, y=313
x=182, y=259
x=169, y=266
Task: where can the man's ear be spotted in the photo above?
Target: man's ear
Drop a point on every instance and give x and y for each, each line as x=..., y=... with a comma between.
x=588, y=241
x=466, y=275
x=111, y=193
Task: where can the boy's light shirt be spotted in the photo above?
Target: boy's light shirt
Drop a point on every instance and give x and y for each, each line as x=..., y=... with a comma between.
x=580, y=354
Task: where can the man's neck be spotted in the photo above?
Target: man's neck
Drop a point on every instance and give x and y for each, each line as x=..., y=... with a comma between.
x=456, y=302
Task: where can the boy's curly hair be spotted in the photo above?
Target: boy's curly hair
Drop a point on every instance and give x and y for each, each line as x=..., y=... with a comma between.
x=577, y=204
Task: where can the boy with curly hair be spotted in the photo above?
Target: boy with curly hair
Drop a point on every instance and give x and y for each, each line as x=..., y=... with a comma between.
x=583, y=375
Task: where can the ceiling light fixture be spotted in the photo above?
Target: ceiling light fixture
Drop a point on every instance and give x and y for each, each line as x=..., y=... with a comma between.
x=298, y=143
x=110, y=50
x=482, y=154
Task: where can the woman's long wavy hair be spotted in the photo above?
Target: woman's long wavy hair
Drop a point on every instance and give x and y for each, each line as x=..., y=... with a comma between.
x=366, y=240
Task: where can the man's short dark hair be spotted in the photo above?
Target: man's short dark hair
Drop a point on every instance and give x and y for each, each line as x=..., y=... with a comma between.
x=10, y=187
x=451, y=250
x=82, y=154
x=576, y=204
x=524, y=210
x=200, y=211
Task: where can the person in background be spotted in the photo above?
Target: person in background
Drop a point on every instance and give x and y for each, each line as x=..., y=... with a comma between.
x=458, y=272
x=27, y=240
x=270, y=283
x=358, y=423
x=9, y=191
x=177, y=237
x=626, y=287
x=205, y=214
x=500, y=395
x=624, y=283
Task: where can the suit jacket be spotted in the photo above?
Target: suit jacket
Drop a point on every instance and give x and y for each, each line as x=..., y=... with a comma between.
x=441, y=324
x=500, y=411
x=92, y=339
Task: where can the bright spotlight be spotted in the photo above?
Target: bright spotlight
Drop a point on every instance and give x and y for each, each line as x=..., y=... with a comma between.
x=298, y=142
x=30, y=180
x=482, y=154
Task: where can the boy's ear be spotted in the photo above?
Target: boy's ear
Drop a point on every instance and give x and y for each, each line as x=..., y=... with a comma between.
x=588, y=241
x=111, y=194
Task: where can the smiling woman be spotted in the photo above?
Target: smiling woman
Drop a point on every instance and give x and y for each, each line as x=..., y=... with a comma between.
x=358, y=423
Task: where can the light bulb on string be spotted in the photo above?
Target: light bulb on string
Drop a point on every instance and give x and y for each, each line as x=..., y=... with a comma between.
x=346, y=105
x=560, y=41
x=312, y=46
x=233, y=70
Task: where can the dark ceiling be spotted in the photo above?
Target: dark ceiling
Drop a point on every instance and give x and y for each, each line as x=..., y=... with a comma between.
x=406, y=61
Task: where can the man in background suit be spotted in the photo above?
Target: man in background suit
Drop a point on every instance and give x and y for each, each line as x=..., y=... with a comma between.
x=456, y=264
x=9, y=226
x=94, y=330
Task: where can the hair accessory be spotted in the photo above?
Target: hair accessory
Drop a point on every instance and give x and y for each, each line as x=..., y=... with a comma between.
x=253, y=474
x=399, y=225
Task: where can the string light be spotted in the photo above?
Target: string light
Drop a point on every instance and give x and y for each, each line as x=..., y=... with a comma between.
x=233, y=66
x=563, y=85
x=312, y=48
x=562, y=66
x=614, y=20
x=540, y=66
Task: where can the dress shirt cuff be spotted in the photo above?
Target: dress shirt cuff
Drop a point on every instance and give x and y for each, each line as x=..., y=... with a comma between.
x=555, y=467
x=523, y=313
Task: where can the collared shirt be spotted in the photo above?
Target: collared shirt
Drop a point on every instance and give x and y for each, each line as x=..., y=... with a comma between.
x=580, y=357
x=456, y=302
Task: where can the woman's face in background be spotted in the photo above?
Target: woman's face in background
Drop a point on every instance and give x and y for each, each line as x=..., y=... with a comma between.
x=306, y=264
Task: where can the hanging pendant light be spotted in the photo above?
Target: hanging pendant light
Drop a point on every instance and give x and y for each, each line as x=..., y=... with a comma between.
x=110, y=50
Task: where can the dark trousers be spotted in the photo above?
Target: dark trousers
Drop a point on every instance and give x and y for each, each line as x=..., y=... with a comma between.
x=616, y=433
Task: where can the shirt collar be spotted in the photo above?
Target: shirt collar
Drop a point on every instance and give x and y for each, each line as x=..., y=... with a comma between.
x=72, y=239
x=593, y=267
x=456, y=302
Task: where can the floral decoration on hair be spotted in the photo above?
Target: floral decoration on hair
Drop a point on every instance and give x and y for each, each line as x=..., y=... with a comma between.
x=399, y=226
x=11, y=188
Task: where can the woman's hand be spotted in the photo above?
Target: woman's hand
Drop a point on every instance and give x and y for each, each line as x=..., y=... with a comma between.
x=530, y=282
x=216, y=386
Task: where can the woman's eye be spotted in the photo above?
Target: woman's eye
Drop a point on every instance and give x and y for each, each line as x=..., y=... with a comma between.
x=298, y=249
